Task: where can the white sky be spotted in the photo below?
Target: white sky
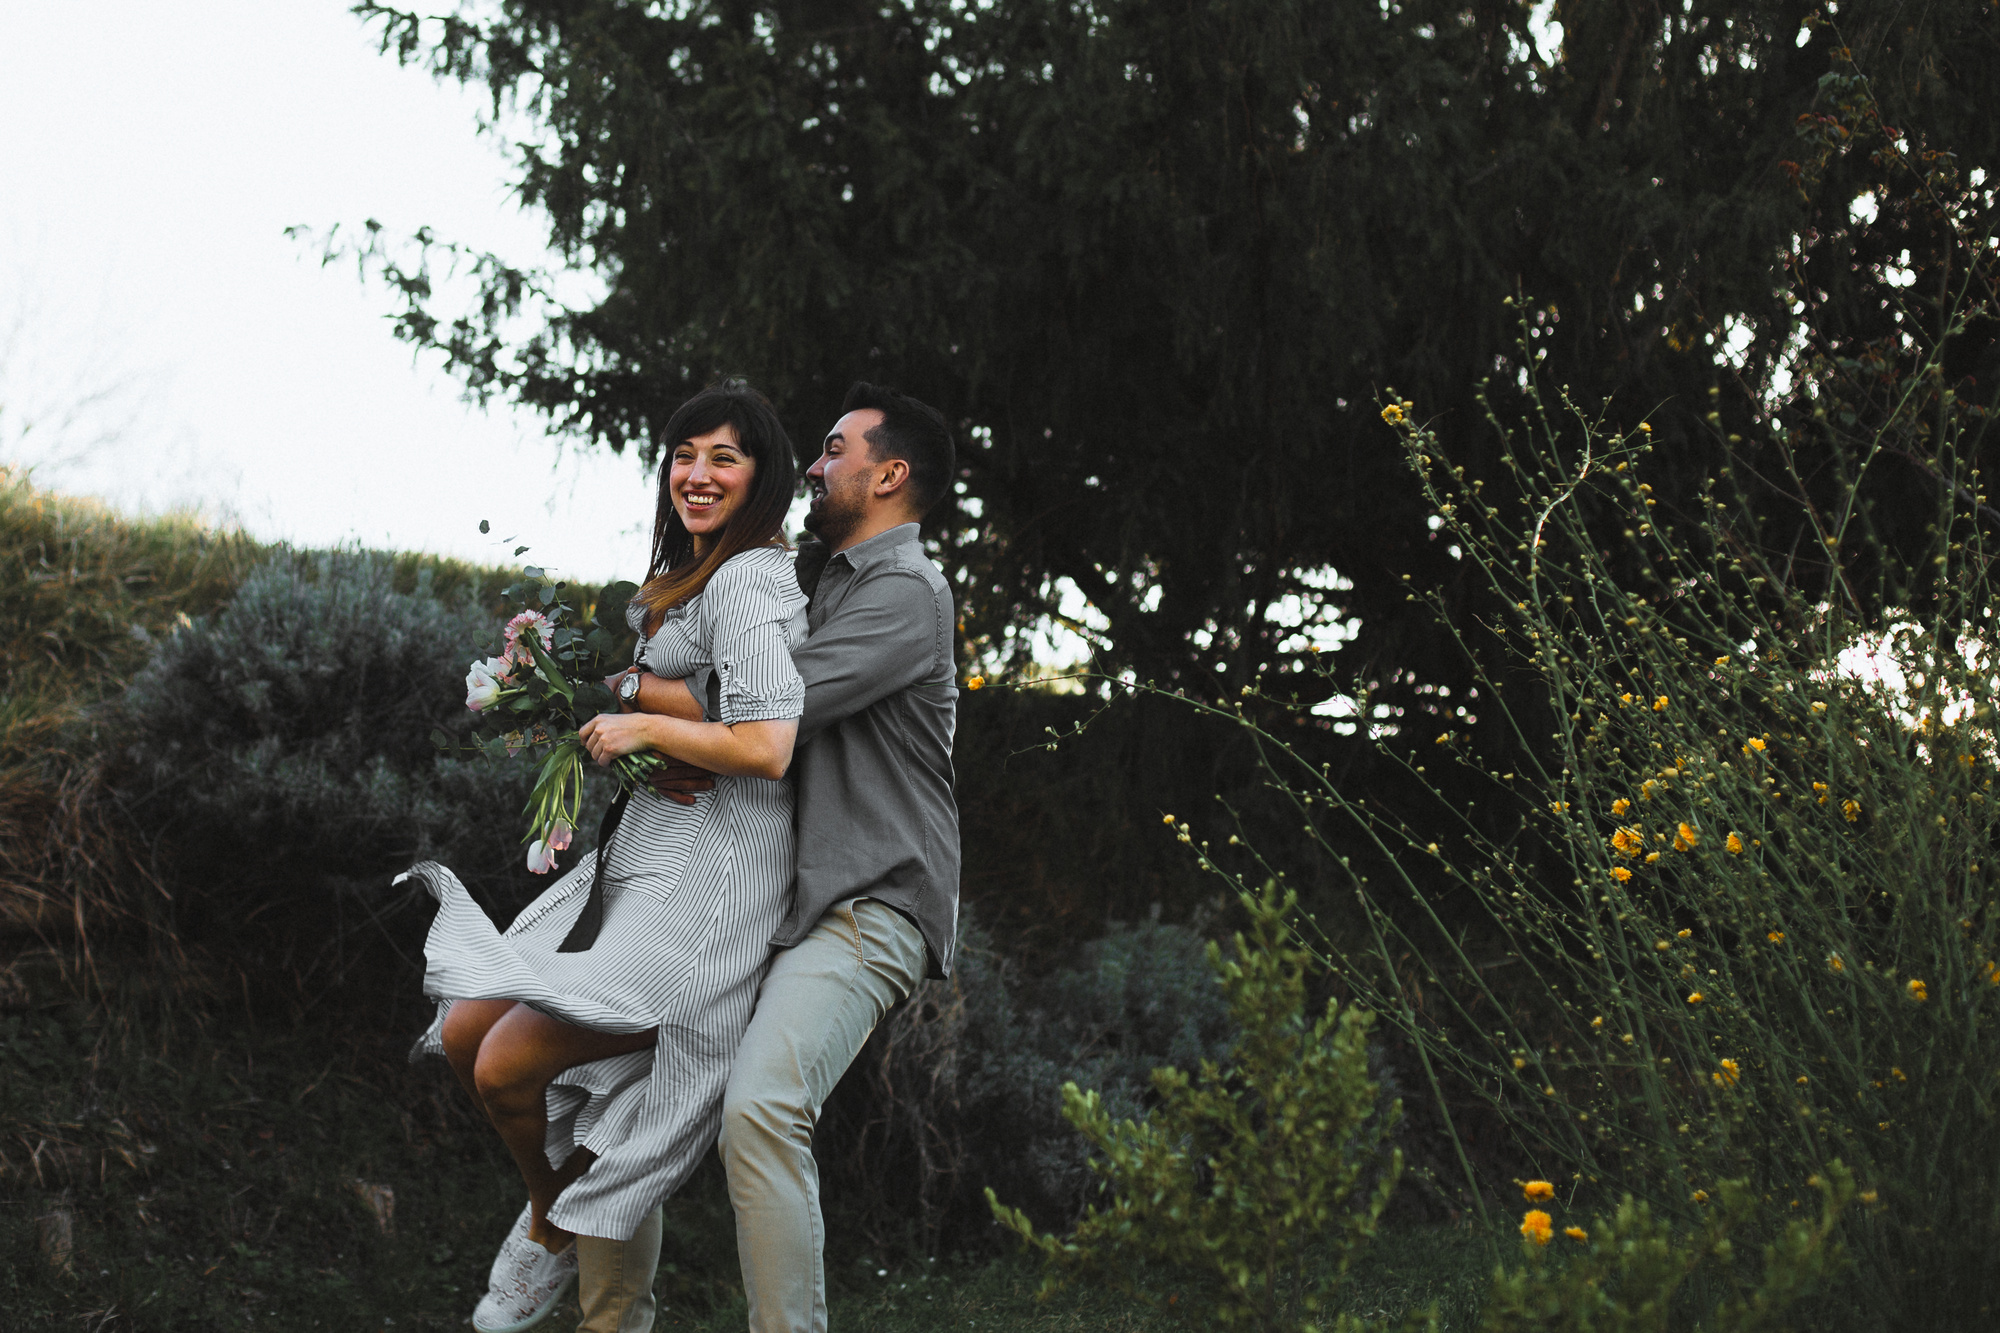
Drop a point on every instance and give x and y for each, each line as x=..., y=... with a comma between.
x=163, y=345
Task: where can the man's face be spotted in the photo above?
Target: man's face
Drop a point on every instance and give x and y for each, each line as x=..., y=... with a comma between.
x=843, y=477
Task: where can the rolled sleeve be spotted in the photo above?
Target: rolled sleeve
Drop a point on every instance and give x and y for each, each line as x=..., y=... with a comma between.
x=748, y=609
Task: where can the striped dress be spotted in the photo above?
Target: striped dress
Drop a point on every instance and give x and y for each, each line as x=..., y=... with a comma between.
x=693, y=895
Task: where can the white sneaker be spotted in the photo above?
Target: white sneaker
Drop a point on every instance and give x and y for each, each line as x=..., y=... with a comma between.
x=504, y=1262
x=528, y=1289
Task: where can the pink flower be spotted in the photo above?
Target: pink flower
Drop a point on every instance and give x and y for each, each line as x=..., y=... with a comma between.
x=541, y=858
x=528, y=621
x=559, y=835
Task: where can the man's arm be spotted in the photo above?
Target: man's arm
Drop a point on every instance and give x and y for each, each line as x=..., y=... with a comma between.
x=885, y=637
x=678, y=782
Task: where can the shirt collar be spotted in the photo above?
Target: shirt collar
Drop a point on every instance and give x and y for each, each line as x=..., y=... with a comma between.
x=862, y=554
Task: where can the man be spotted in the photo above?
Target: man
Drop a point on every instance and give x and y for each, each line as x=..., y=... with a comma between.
x=876, y=897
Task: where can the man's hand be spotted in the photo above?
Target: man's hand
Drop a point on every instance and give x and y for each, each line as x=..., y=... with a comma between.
x=681, y=783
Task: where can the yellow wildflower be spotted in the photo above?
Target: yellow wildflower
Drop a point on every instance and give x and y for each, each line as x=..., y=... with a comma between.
x=1775, y=936
x=1685, y=837
x=1918, y=991
x=1646, y=790
x=1538, y=1191
x=1597, y=1022
x=1820, y=787
x=1802, y=1080
x=1867, y=1196
x=1833, y=962
x=1652, y=857
x=1755, y=743
x=975, y=682
x=1392, y=414
x=1166, y=819
x=1662, y=945
x=1624, y=698
x=1646, y=426
x=1660, y=704
x=1536, y=1227
x=1621, y=874
x=1558, y=807
x=1627, y=841
x=1695, y=997
x=1992, y=973
x=1852, y=810
x=1900, y=1076
x=1619, y=807
x=1722, y=661
x=1734, y=844
x=1819, y=707
x=1683, y=934
x=1730, y=1072
x=1700, y=1196
x=1576, y=1233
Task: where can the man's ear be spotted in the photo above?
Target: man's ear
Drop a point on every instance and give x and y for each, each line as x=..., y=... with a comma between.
x=891, y=476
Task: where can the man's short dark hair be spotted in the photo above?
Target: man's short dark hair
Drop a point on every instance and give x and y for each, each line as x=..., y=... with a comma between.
x=912, y=431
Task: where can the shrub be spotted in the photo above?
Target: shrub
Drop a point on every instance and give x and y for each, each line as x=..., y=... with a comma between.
x=281, y=748
x=959, y=1088
x=1241, y=1176
x=1632, y=1273
x=1734, y=918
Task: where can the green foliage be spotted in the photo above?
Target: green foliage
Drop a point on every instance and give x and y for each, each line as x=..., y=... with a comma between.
x=1241, y=1173
x=1122, y=241
x=1724, y=904
x=281, y=748
x=958, y=1090
x=1634, y=1275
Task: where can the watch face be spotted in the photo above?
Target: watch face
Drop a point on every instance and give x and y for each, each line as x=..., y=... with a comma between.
x=628, y=688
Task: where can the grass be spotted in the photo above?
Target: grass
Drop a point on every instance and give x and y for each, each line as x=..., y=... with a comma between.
x=213, y=1179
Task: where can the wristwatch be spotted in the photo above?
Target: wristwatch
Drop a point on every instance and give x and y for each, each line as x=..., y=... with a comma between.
x=628, y=688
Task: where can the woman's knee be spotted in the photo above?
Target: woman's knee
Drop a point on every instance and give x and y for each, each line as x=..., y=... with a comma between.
x=465, y=1027
x=752, y=1118
x=505, y=1084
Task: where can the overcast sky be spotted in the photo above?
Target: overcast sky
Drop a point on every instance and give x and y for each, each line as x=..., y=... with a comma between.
x=163, y=344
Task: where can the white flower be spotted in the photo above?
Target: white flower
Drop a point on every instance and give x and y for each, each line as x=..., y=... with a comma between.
x=541, y=858
x=559, y=835
x=484, y=682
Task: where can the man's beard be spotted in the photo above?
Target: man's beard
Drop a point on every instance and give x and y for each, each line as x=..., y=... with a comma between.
x=831, y=519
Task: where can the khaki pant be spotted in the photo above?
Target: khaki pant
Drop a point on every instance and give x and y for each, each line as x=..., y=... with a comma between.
x=819, y=1002
x=817, y=1006
x=614, y=1280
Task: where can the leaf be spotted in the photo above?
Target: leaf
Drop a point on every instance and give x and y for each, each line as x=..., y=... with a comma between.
x=439, y=739
x=519, y=549
x=484, y=527
x=534, y=572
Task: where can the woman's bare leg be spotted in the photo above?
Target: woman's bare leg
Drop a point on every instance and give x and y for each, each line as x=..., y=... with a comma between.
x=465, y=1027
x=520, y=1054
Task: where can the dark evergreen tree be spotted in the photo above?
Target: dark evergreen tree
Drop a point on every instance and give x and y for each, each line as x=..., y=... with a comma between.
x=1162, y=261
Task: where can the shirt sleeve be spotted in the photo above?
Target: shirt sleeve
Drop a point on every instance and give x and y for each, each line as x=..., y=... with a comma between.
x=747, y=608
x=884, y=638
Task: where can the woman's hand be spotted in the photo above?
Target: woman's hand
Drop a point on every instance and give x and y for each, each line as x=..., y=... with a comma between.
x=610, y=735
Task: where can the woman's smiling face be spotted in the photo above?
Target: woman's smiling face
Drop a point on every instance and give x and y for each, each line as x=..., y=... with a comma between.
x=710, y=480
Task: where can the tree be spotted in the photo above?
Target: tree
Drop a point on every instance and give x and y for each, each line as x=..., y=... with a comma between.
x=1161, y=262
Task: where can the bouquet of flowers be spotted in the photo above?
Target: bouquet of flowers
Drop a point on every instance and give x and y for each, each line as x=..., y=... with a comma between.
x=546, y=683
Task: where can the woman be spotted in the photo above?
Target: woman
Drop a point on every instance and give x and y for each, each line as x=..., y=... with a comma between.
x=603, y=1069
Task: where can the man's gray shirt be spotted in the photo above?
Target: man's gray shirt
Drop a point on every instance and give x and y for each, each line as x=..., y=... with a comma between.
x=876, y=816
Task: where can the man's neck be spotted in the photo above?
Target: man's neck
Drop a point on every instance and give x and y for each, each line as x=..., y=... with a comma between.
x=873, y=526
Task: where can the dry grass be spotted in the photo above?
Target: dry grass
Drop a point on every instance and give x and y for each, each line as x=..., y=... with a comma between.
x=83, y=593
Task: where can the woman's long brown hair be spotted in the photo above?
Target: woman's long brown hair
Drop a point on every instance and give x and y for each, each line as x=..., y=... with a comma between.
x=675, y=574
